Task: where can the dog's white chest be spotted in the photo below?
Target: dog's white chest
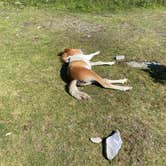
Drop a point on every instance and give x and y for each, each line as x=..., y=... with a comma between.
x=80, y=57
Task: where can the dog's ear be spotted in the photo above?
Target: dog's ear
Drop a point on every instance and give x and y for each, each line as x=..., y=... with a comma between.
x=67, y=50
x=65, y=57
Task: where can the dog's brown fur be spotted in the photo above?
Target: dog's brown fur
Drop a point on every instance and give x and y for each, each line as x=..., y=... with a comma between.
x=79, y=71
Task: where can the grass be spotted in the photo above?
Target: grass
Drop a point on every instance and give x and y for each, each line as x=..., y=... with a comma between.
x=88, y=5
x=48, y=126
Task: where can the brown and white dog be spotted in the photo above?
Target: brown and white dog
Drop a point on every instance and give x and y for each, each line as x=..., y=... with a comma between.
x=80, y=73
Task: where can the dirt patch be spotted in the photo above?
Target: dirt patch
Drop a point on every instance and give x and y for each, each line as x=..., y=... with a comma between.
x=70, y=23
x=84, y=27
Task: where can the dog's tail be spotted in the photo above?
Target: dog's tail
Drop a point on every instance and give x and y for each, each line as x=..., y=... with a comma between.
x=74, y=91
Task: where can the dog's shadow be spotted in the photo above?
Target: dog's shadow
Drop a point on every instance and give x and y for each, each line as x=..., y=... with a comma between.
x=63, y=73
x=157, y=72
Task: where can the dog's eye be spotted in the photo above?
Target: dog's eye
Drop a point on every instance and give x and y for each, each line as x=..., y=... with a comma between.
x=68, y=59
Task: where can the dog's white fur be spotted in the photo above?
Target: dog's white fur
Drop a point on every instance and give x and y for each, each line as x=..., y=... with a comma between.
x=80, y=73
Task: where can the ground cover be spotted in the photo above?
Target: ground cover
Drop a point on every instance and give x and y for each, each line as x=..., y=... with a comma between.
x=47, y=125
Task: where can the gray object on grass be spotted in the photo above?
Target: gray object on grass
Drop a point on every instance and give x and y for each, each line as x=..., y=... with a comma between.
x=113, y=144
x=142, y=65
x=120, y=57
x=96, y=140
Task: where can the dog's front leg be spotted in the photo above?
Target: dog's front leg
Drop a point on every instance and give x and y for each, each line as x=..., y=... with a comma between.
x=90, y=56
x=73, y=90
x=102, y=63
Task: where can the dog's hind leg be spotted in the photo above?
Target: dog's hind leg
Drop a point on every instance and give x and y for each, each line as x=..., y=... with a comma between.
x=120, y=81
x=89, y=75
x=73, y=90
x=106, y=84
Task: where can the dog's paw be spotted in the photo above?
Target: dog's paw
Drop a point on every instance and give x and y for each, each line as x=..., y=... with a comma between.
x=83, y=96
x=125, y=88
x=124, y=80
x=98, y=52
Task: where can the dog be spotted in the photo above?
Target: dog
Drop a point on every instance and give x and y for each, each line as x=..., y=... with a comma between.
x=80, y=73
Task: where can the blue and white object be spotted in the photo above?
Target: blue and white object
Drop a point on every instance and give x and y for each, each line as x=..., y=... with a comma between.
x=113, y=145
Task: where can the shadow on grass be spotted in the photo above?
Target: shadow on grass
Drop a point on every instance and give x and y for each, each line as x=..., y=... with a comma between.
x=63, y=73
x=157, y=72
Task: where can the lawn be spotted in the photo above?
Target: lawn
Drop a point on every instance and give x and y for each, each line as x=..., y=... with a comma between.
x=45, y=125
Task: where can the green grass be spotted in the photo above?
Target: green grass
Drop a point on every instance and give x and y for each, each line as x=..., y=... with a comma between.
x=88, y=5
x=48, y=126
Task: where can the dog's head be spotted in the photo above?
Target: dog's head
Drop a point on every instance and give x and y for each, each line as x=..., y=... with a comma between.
x=68, y=52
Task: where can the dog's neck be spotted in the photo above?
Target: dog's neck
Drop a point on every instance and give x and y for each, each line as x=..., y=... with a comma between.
x=79, y=57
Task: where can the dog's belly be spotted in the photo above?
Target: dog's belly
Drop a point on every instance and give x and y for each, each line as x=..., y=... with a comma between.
x=80, y=73
x=80, y=63
x=84, y=83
